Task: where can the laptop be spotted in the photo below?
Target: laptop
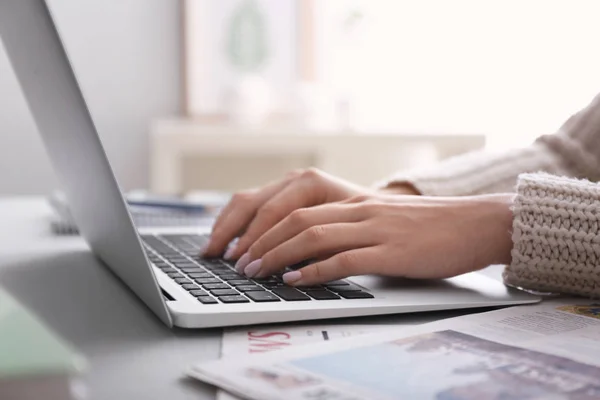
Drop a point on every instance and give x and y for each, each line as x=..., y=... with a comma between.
x=162, y=266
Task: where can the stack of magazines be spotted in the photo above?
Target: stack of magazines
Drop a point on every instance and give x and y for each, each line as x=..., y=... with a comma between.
x=197, y=209
x=549, y=350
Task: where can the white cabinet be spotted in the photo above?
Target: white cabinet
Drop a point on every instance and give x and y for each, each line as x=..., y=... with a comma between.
x=186, y=154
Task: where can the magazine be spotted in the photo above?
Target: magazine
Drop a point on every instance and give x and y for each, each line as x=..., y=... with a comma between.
x=246, y=340
x=544, y=351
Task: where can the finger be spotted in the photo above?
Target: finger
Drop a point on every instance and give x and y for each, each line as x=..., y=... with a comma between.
x=238, y=213
x=294, y=196
x=361, y=198
x=342, y=265
x=315, y=242
x=301, y=220
x=233, y=204
x=263, y=193
x=231, y=228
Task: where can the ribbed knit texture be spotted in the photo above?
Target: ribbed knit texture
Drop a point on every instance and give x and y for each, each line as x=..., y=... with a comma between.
x=556, y=235
x=556, y=242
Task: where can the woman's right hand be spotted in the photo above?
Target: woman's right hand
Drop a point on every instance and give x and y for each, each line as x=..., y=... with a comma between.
x=251, y=213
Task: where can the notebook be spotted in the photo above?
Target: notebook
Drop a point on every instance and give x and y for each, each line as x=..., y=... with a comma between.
x=63, y=223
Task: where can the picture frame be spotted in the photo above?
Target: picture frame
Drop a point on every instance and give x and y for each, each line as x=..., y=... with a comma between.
x=209, y=60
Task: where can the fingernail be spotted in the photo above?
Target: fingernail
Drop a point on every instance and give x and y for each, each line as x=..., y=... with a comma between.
x=229, y=253
x=253, y=268
x=203, y=249
x=242, y=262
x=291, y=277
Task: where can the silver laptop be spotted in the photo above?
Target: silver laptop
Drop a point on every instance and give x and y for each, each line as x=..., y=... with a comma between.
x=162, y=266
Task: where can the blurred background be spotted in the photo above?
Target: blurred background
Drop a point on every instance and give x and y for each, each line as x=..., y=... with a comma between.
x=224, y=94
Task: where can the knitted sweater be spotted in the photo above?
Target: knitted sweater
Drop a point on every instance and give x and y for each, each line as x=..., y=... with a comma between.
x=556, y=238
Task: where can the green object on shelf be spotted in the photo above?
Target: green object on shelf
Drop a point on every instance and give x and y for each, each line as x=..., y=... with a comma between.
x=27, y=348
x=247, y=41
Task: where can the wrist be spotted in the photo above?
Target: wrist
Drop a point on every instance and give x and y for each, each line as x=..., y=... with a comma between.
x=495, y=237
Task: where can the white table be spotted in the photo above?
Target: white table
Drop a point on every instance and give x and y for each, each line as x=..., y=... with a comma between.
x=130, y=354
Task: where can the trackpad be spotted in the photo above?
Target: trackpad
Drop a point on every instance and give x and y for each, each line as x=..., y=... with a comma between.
x=459, y=287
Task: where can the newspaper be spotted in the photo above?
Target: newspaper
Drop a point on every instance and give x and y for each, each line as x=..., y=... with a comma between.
x=549, y=350
x=261, y=339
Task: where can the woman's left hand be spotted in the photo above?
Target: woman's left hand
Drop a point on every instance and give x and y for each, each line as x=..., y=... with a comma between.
x=406, y=236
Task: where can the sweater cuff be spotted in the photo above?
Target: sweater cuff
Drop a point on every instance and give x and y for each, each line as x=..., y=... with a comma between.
x=556, y=235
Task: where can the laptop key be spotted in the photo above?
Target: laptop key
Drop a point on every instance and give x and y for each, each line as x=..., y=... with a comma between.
x=189, y=271
x=174, y=274
x=192, y=237
x=270, y=279
x=219, y=270
x=214, y=286
x=232, y=277
x=171, y=272
x=339, y=282
x=307, y=288
x=204, y=281
x=356, y=295
x=323, y=294
x=189, y=266
x=199, y=275
x=226, y=272
x=190, y=286
x=178, y=259
x=224, y=292
x=345, y=288
x=290, y=294
x=234, y=299
x=299, y=265
x=211, y=263
x=238, y=282
x=249, y=288
x=228, y=263
x=198, y=292
x=261, y=297
x=273, y=285
x=207, y=300
x=182, y=280
x=186, y=261
x=191, y=250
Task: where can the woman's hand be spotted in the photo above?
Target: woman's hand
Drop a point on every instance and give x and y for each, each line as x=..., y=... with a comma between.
x=252, y=213
x=406, y=236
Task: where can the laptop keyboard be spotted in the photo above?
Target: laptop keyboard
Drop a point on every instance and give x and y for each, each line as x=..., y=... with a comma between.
x=214, y=281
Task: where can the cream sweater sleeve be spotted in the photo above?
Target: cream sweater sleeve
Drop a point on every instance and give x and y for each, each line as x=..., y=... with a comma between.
x=573, y=151
x=556, y=226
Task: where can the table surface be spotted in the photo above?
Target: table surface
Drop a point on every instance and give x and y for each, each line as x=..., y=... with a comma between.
x=130, y=353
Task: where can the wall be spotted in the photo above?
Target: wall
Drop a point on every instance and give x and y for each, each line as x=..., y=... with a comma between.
x=126, y=55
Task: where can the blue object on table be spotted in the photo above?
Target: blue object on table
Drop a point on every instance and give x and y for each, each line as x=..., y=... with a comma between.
x=146, y=211
x=172, y=204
